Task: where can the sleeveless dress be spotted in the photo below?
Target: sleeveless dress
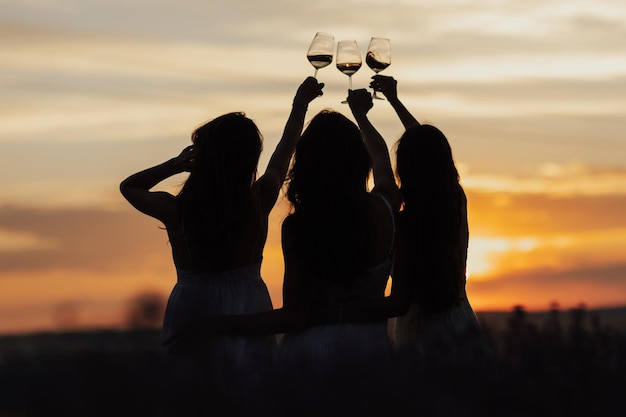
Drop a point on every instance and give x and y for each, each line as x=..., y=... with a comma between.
x=335, y=365
x=237, y=291
x=454, y=332
x=228, y=371
x=444, y=362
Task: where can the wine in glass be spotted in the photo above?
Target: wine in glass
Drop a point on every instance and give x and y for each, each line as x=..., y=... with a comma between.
x=320, y=53
x=378, y=56
x=348, y=59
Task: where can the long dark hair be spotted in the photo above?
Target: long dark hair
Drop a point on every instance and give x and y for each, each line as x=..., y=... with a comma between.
x=434, y=215
x=327, y=187
x=217, y=194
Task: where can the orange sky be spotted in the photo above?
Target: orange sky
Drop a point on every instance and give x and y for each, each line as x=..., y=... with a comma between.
x=531, y=96
x=528, y=249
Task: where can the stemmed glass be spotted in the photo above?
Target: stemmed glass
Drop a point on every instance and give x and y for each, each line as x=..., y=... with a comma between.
x=348, y=59
x=320, y=53
x=378, y=56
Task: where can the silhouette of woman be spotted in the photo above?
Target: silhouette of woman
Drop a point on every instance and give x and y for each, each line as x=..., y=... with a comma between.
x=438, y=337
x=217, y=228
x=338, y=241
x=433, y=237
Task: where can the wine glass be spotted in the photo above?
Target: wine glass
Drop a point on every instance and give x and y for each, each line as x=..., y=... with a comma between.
x=378, y=56
x=320, y=53
x=348, y=59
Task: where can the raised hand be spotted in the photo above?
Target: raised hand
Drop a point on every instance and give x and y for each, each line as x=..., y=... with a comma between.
x=308, y=91
x=360, y=101
x=184, y=161
x=386, y=85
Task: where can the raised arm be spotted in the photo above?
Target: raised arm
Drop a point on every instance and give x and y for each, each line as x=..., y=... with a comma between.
x=389, y=87
x=360, y=102
x=271, y=181
x=158, y=204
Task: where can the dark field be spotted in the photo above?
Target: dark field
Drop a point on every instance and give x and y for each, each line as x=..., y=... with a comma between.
x=559, y=363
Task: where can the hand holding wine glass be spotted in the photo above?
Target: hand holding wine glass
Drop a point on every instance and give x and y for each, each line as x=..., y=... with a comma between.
x=348, y=59
x=320, y=53
x=378, y=56
x=385, y=84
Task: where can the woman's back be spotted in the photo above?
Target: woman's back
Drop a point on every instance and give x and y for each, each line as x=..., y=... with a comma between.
x=328, y=349
x=440, y=311
x=370, y=282
x=242, y=245
x=339, y=363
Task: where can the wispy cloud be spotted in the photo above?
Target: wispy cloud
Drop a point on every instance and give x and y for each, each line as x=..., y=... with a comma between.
x=556, y=180
x=599, y=286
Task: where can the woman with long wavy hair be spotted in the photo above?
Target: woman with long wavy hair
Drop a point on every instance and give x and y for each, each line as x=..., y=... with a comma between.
x=217, y=227
x=433, y=235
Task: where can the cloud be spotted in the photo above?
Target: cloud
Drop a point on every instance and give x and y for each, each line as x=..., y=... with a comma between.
x=11, y=242
x=97, y=240
x=573, y=179
x=600, y=286
x=521, y=214
x=84, y=239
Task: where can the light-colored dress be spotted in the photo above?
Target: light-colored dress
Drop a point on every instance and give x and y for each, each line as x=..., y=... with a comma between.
x=229, y=359
x=445, y=353
x=454, y=333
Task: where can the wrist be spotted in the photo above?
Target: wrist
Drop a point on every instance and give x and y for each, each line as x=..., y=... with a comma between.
x=174, y=166
x=300, y=104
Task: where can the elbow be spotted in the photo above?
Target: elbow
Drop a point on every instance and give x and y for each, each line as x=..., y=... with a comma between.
x=124, y=187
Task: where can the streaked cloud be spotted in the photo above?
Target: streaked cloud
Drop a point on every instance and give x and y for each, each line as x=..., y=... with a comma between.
x=598, y=286
x=11, y=242
x=571, y=179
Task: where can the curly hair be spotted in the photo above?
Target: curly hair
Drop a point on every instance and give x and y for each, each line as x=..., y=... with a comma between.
x=327, y=187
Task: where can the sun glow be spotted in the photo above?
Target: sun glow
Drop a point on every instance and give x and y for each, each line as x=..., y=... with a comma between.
x=482, y=251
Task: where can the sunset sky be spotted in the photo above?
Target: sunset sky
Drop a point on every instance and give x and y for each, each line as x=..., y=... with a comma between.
x=531, y=94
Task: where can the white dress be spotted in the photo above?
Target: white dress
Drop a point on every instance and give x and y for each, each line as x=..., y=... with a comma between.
x=446, y=354
x=453, y=334
x=230, y=364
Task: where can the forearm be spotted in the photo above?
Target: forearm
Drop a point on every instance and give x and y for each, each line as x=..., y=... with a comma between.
x=376, y=147
x=148, y=178
x=359, y=312
x=279, y=161
x=403, y=113
x=258, y=324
